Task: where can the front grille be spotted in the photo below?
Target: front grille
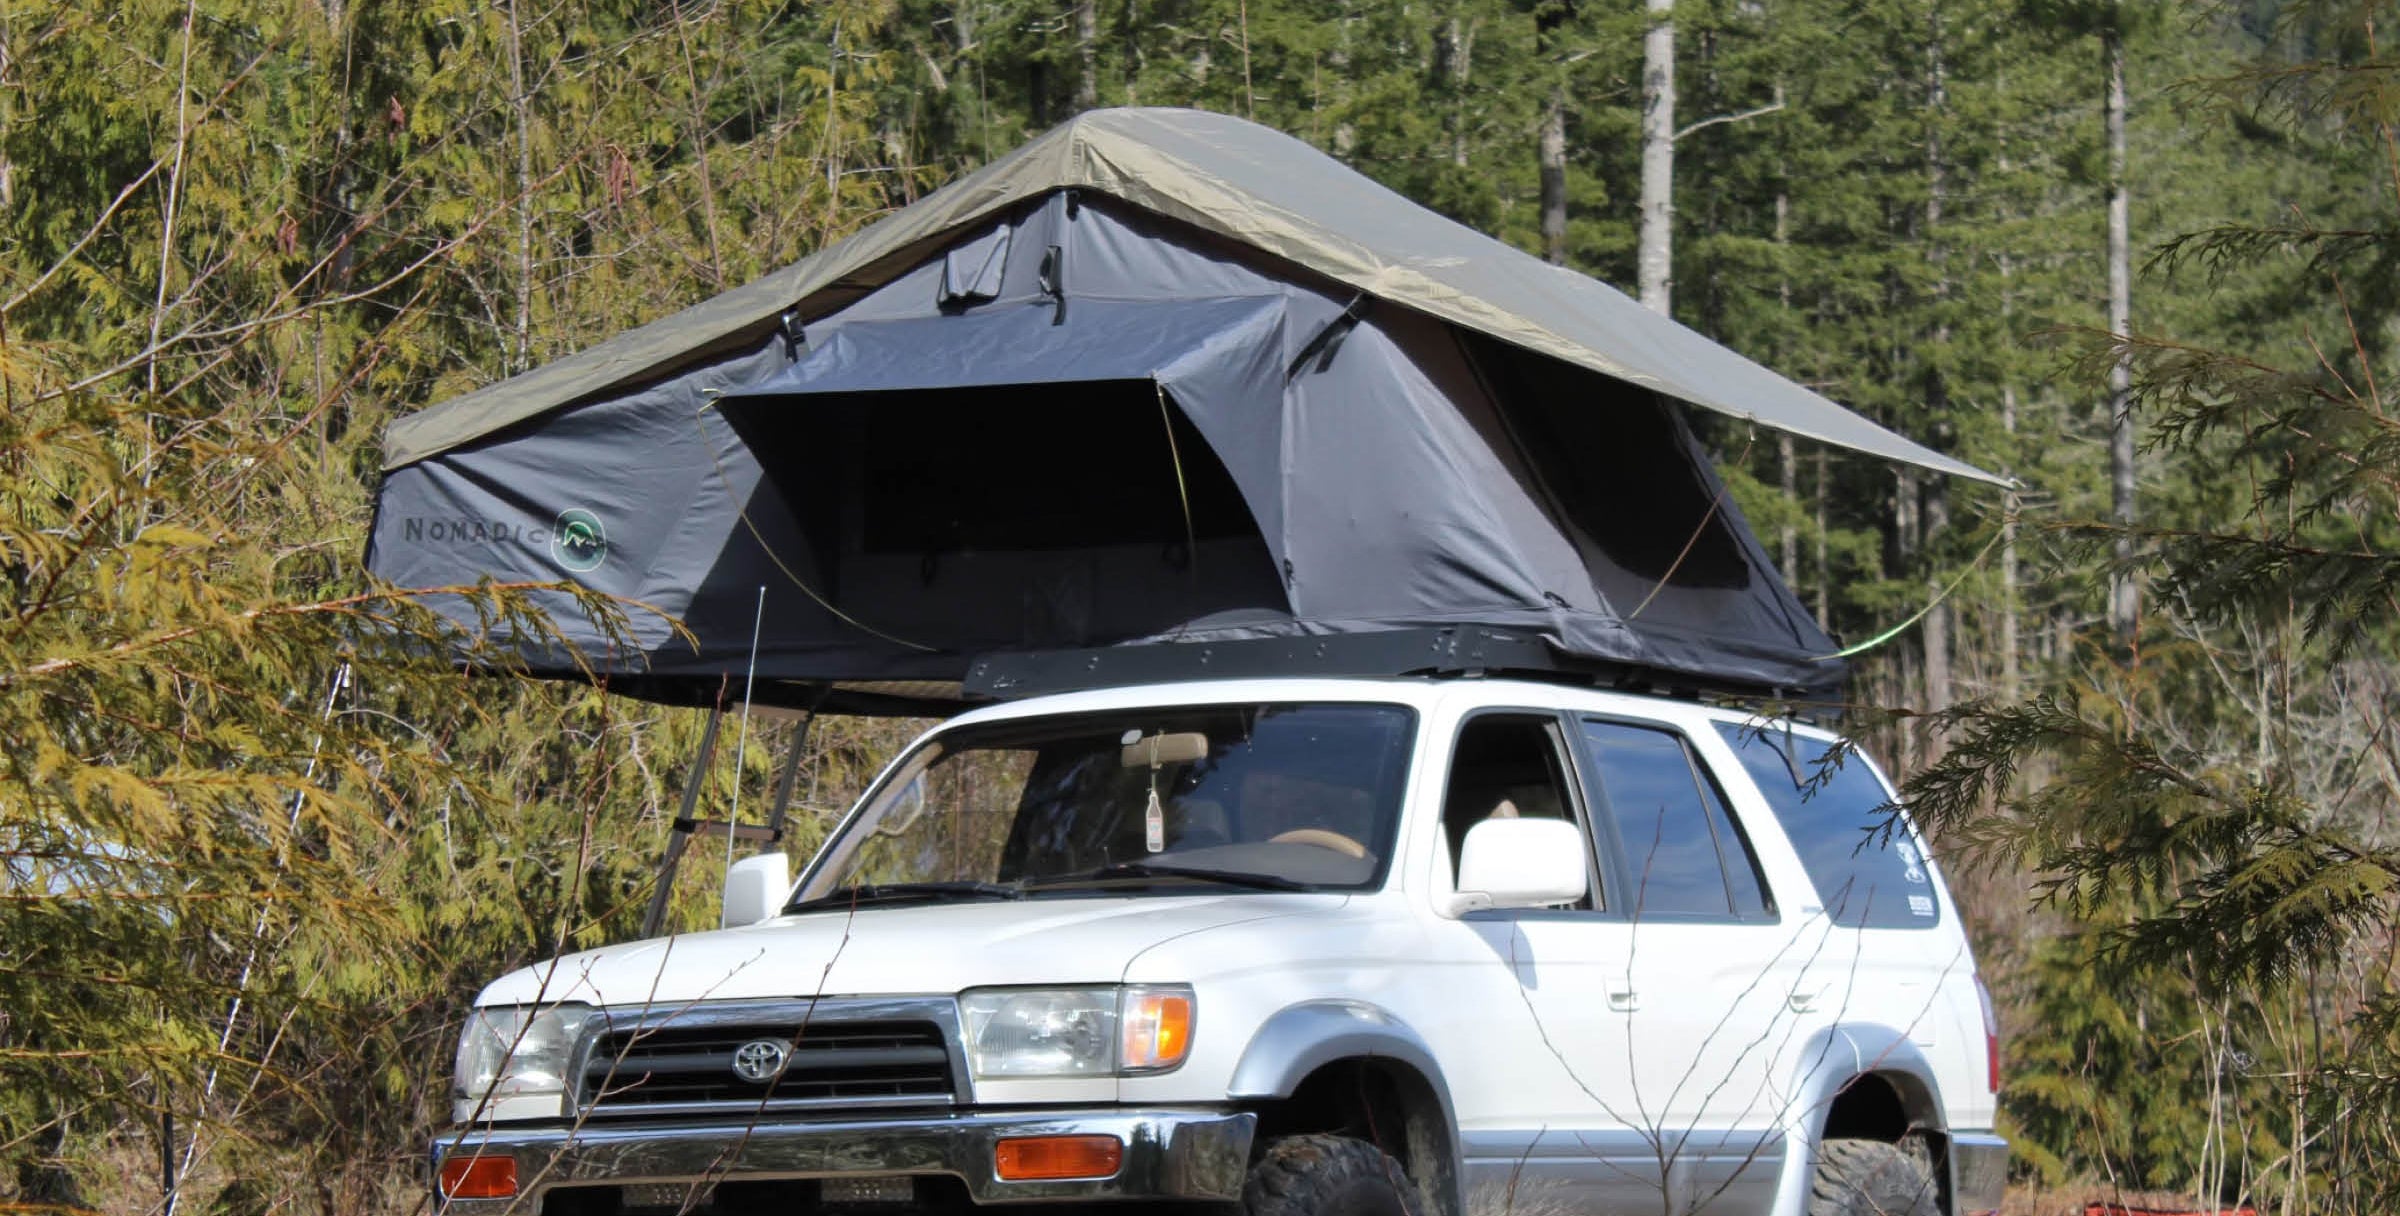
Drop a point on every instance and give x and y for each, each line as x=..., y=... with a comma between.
x=682, y=1066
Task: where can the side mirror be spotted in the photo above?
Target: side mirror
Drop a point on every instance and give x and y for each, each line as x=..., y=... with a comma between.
x=755, y=888
x=1521, y=863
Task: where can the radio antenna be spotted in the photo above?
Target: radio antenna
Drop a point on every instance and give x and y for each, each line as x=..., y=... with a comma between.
x=741, y=740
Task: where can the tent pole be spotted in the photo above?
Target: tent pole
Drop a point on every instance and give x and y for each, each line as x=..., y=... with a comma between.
x=684, y=825
x=790, y=776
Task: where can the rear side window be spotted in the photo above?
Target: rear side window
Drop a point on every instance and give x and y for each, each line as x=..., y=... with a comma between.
x=1839, y=817
x=1683, y=854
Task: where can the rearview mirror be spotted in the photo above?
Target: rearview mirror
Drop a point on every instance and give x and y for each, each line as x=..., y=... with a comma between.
x=755, y=888
x=1521, y=863
x=1150, y=751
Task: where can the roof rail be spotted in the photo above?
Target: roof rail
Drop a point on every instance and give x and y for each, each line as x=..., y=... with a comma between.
x=1442, y=651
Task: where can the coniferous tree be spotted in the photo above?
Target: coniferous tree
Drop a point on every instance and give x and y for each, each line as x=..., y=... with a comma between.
x=236, y=239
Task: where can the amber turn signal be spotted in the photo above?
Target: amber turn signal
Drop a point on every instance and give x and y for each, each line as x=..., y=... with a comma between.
x=1157, y=1029
x=1050, y=1158
x=479, y=1178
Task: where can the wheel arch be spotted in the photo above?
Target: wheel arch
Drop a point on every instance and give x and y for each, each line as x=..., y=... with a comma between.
x=1864, y=1081
x=1346, y=1055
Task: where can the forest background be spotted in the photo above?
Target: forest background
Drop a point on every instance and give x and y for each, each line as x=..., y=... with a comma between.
x=259, y=853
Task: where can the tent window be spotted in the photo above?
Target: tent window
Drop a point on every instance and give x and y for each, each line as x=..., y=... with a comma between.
x=1009, y=516
x=1612, y=460
x=1035, y=467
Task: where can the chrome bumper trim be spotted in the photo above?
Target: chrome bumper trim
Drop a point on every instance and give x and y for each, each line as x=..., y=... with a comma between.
x=1169, y=1154
x=1978, y=1173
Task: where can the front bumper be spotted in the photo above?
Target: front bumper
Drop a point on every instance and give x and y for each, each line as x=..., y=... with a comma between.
x=1978, y=1173
x=1169, y=1154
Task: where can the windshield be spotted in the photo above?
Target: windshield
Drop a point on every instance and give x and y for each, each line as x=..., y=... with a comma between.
x=1241, y=797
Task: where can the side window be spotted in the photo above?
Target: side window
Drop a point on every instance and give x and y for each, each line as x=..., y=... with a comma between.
x=1506, y=766
x=1745, y=879
x=1685, y=854
x=1839, y=817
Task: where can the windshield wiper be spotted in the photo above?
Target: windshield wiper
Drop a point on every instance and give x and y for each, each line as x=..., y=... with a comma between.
x=863, y=894
x=1151, y=869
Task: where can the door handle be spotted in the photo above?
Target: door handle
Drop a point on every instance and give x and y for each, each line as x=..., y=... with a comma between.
x=1624, y=1000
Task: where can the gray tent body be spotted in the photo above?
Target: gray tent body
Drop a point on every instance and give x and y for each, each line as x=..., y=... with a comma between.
x=1074, y=422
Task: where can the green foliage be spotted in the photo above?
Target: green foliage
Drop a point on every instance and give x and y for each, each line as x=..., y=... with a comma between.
x=257, y=846
x=252, y=835
x=2212, y=808
x=2118, y=1083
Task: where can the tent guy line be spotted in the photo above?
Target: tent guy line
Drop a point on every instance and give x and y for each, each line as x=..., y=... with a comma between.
x=1699, y=530
x=1853, y=651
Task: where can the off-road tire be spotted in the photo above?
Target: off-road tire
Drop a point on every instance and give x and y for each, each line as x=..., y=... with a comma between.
x=1326, y=1176
x=1872, y=1178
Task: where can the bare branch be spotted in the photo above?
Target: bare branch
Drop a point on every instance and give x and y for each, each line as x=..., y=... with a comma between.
x=1722, y=119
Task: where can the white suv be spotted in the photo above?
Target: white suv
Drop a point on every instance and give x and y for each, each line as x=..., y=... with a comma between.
x=1360, y=947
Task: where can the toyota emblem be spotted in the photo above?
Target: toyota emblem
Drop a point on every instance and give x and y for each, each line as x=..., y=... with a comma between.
x=760, y=1060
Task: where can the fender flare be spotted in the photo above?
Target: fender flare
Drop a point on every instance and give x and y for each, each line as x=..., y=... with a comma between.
x=1830, y=1060
x=1300, y=1039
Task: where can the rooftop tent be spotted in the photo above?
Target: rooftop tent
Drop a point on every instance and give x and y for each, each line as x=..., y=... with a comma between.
x=1159, y=376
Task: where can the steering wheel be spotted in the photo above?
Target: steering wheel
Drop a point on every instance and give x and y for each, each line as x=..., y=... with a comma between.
x=1323, y=838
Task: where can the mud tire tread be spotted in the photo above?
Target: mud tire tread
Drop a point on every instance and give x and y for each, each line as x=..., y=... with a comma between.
x=1325, y=1175
x=1872, y=1178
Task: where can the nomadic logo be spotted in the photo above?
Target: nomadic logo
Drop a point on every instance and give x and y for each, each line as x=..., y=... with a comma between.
x=578, y=542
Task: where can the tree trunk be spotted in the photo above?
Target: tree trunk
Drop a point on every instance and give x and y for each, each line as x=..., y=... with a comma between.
x=1787, y=462
x=1249, y=89
x=1458, y=49
x=2124, y=603
x=2010, y=643
x=1132, y=58
x=521, y=349
x=1554, y=178
x=1823, y=542
x=1654, y=259
x=1548, y=18
x=8, y=112
x=1934, y=517
x=173, y=207
x=1345, y=132
x=1907, y=660
x=1087, y=55
x=2008, y=539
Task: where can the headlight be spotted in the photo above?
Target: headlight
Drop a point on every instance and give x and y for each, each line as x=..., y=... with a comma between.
x=513, y=1061
x=1076, y=1032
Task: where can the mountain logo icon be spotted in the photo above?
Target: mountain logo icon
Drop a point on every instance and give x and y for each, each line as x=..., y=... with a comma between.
x=578, y=542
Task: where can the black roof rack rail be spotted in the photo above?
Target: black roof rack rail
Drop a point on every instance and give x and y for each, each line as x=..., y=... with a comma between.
x=1428, y=652
x=1453, y=650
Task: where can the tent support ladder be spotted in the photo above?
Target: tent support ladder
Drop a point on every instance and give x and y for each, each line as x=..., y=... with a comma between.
x=688, y=825
x=788, y=777
x=681, y=837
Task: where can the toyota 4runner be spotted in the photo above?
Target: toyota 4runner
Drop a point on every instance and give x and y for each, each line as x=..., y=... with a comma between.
x=1360, y=947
